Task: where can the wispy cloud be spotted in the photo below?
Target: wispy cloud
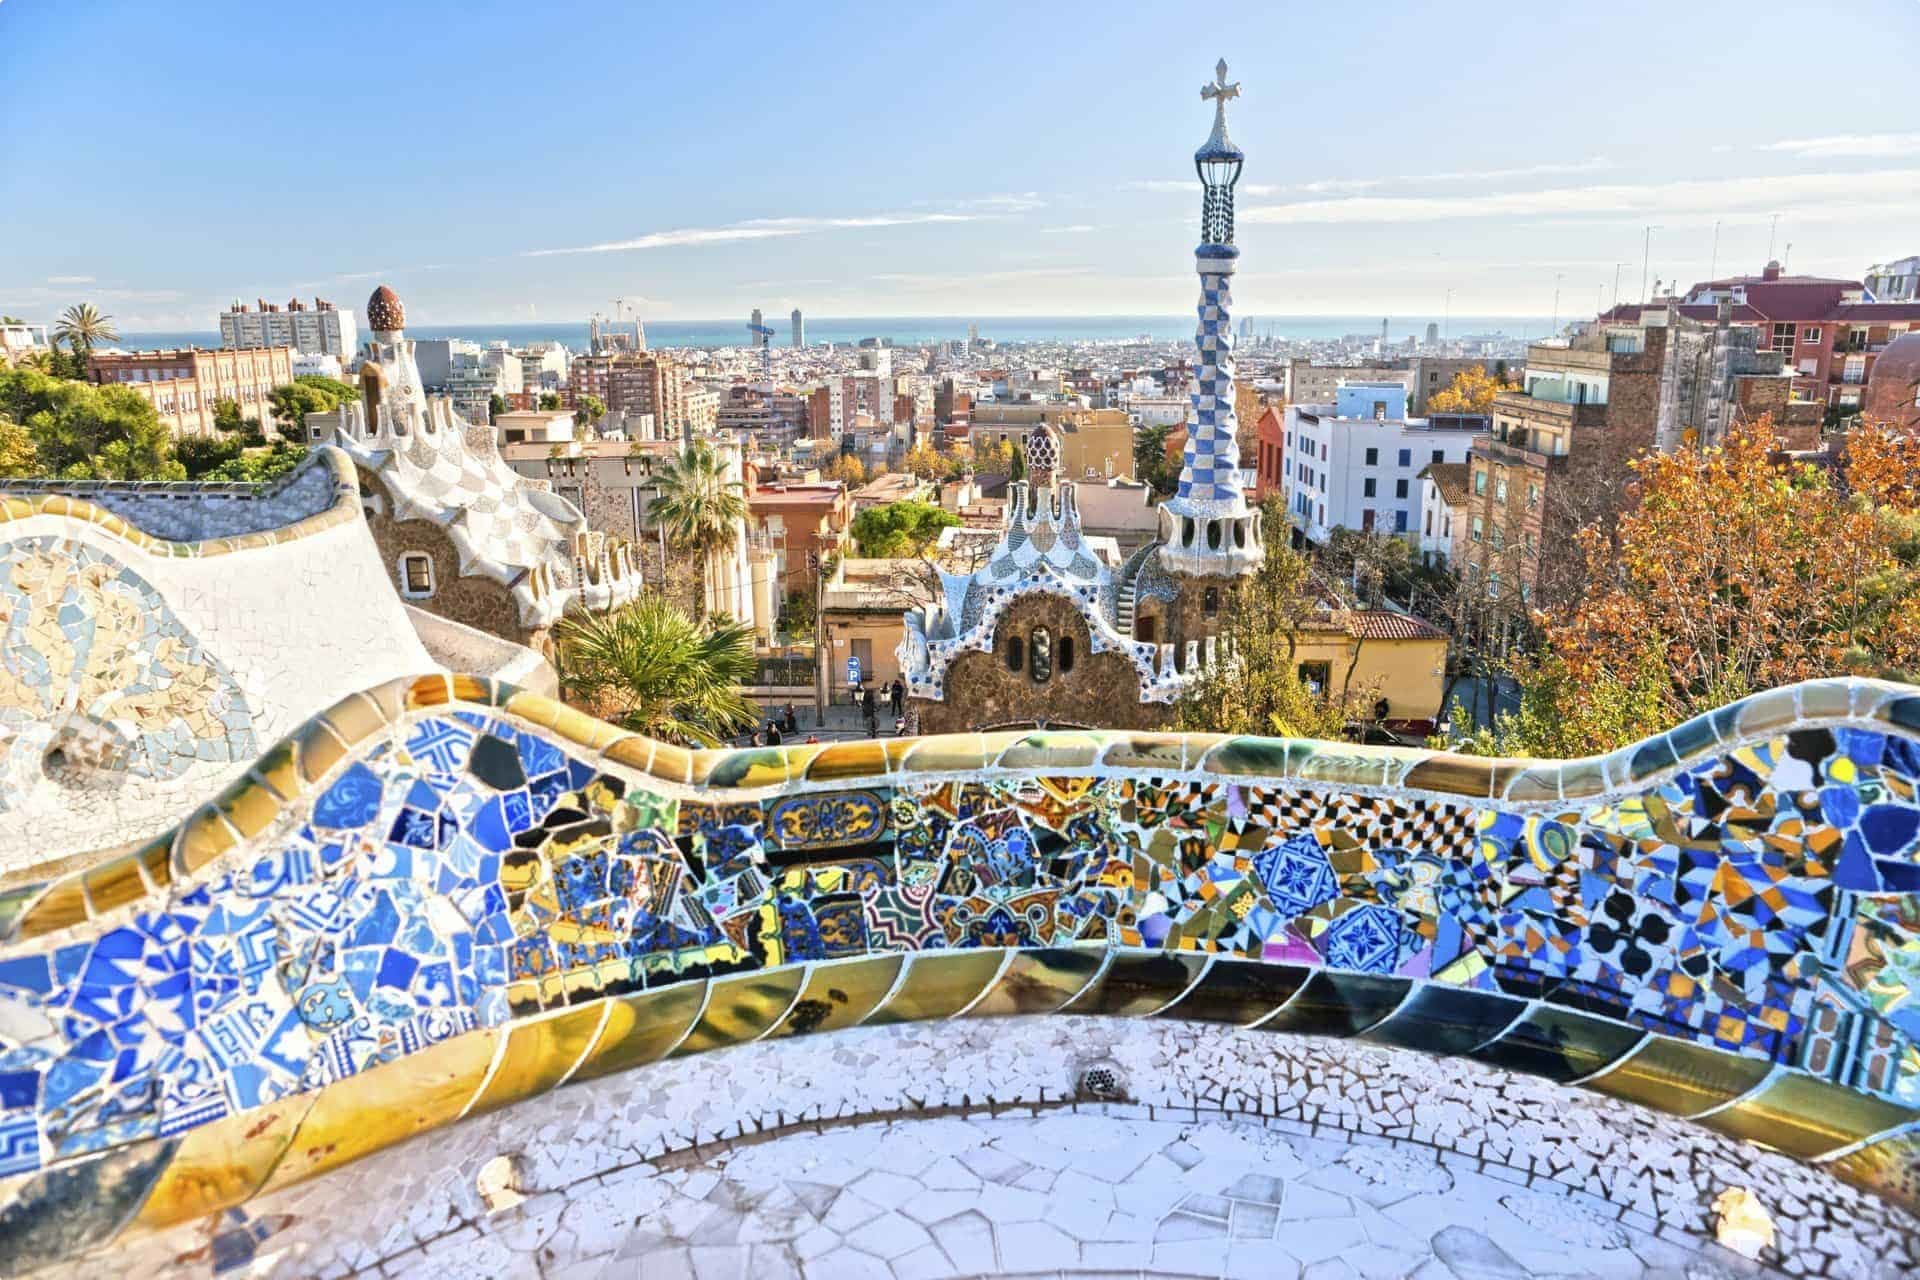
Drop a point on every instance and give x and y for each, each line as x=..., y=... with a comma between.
x=1850, y=144
x=69, y=279
x=1074, y=229
x=1016, y=202
x=758, y=229
x=1900, y=187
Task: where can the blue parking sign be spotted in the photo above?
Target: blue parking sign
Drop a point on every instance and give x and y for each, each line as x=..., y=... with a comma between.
x=853, y=669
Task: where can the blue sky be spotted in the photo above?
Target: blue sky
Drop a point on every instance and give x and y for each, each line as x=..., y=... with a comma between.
x=161, y=157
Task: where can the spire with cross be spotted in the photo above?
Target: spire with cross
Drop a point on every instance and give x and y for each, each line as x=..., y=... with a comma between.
x=1207, y=527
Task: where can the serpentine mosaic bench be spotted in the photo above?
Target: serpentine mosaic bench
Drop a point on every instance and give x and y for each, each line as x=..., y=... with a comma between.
x=444, y=896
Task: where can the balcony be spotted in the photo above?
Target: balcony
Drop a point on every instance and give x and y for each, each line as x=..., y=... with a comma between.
x=1503, y=451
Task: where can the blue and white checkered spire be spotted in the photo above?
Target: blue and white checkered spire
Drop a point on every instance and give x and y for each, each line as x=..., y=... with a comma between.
x=1210, y=514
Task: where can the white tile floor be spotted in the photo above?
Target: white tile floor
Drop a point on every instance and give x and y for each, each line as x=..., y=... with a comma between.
x=922, y=1178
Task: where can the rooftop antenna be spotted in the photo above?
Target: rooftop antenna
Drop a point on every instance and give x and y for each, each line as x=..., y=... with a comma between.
x=1786, y=260
x=1554, y=328
x=1713, y=271
x=1646, y=253
x=1773, y=226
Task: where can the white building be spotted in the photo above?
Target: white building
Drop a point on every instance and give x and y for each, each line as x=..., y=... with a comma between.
x=21, y=339
x=1895, y=281
x=1443, y=510
x=543, y=366
x=1156, y=410
x=317, y=365
x=1356, y=463
x=320, y=329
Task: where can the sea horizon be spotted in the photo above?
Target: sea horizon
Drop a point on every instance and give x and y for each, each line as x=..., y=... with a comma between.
x=914, y=330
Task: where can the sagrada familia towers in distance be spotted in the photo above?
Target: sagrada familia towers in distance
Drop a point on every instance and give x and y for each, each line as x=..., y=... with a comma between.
x=1045, y=631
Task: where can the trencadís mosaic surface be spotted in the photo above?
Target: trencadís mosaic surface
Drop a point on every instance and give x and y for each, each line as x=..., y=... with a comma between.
x=442, y=897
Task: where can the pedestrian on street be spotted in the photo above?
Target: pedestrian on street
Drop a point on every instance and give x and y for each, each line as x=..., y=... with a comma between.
x=870, y=708
x=897, y=696
x=773, y=733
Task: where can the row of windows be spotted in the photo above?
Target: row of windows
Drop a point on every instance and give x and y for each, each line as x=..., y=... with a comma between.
x=1368, y=521
x=1406, y=457
x=1368, y=487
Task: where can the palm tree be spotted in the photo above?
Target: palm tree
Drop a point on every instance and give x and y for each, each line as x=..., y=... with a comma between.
x=652, y=668
x=81, y=325
x=698, y=507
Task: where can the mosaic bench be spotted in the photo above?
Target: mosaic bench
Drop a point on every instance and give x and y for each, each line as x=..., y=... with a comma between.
x=444, y=896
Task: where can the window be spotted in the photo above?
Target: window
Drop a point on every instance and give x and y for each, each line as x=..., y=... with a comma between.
x=1439, y=455
x=1016, y=653
x=1210, y=602
x=416, y=575
x=1066, y=654
x=1783, y=334
x=1479, y=480
x=1499, y=538
x=1373, y=457
x=1316, y=675
x=1323, y=451
x=1367, y=487
x=1040, y=664
x=1533, y=495
x=1143, y=629
x=1379, y=411
x=1400, y=518
x=1429, y=522
x=1366, y=520
x=1810, y=334
x=1400, y=488
x=1406, y=457
x=1479, y=528
x=1855, y=372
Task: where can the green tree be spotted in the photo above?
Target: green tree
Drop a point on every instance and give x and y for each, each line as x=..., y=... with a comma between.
x=202, y=454
x=496, y=405
x=260, y=465
x=84, y=432
x=698, y=507
x=898, y=529
x=81, y=326
x=228, y=421
x=308, y=393
x=1255, y=685
x=590, y=408
x=1150, y=464
x=549, y=401
x=652, y=668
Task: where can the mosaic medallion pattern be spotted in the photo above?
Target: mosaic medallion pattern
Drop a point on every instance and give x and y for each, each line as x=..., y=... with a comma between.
x=1745, y=922
x=97, y=672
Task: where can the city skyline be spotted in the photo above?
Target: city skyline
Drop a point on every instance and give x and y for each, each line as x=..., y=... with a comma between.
x=1406, y=174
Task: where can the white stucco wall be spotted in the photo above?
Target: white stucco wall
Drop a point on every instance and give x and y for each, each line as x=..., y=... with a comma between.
x=298, y=625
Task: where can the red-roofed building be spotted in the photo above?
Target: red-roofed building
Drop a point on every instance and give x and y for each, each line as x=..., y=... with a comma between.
x=1825, y=329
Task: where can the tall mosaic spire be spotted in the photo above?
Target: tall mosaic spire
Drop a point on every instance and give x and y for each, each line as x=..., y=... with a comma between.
x=1207, y=527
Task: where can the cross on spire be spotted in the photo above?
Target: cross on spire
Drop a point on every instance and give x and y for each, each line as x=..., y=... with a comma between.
x=1220, y=89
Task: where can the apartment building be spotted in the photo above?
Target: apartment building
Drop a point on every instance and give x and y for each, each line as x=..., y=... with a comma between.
x=185, y=385
x=1827, y=332
x=633, y=383
x=1356, y=463
x=319, y=329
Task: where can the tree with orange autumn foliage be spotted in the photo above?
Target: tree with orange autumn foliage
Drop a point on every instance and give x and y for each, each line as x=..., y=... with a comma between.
x=1471, y=391
x=1734, y=572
